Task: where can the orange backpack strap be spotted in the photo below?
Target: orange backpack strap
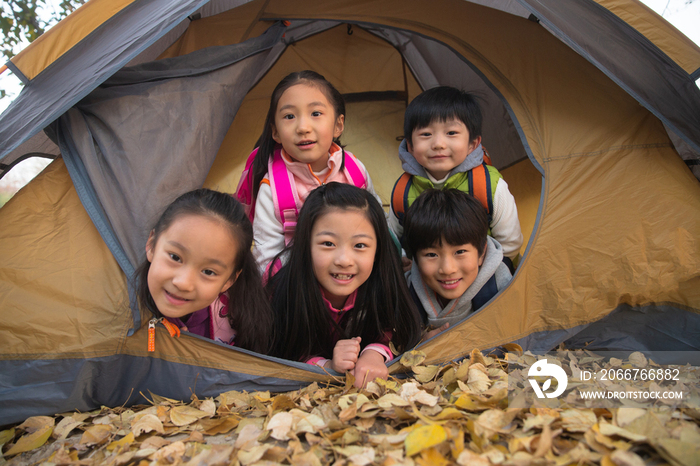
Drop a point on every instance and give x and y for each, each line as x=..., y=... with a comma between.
x=399, y=196
x=480, y=186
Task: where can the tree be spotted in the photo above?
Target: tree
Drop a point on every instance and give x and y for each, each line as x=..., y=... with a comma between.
x=22, y=21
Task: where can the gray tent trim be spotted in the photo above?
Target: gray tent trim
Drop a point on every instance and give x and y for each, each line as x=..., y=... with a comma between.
x=16, y=71
x=651, y=327
x=626, y=58
x=101, y=54
x=84, y=384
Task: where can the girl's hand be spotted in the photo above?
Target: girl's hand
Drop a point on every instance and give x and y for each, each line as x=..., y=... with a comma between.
x=369, y=367
x=345, y=354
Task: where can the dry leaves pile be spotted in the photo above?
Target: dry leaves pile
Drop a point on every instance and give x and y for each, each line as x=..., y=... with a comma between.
x=453, y=414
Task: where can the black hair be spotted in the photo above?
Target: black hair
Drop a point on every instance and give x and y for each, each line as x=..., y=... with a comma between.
x=304, y=327
x=446, y=215
x=249, y=312
x=266, y=144
x=441, y=104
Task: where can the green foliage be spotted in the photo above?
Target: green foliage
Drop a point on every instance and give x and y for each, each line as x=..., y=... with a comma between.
x=25, y=20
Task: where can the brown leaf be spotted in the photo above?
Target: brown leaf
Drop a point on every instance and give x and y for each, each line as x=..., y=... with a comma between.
x=476, y=357
x=218, y=426
x=96, y=435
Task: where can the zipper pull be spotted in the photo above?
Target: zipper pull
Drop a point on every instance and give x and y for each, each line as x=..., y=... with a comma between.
x=172, y=329
x=152, y=334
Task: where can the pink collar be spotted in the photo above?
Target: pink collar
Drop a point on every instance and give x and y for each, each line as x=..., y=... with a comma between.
x=349, y=303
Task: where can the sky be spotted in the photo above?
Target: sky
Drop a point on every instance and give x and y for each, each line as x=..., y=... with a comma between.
x=684, y=15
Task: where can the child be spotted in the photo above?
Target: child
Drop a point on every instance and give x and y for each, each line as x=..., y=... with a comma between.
x=197, y=257
x=342, y=295
x=457, y=267
x=298, y=151
x=442, y=149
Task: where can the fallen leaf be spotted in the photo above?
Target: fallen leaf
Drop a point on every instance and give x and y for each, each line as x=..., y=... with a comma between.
x=31, y=441
x=6, y=436
x=425, y=374
x=391, y=399
x=575, y=420
x=65, y=427
x=412, y=358
x=126, y=440
x=424, y=437
x=170, y=453
x=96, y=435
x=208, y=406
x=637, y=359
x=218, y=426
x=253, y=454
x=147, y=423
x=185, y=415
x=626, y=458
x=281, y=425
x=469, y=458
x=248, y=437
x=155, y=443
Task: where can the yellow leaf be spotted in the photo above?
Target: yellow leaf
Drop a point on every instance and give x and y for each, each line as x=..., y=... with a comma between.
x=463, y=370
x=424, y=437
x=412, y=358
x=388, y=384
x=262, y=396
x=282, y=402
x=128, y=439
x=6, y=436
x=31, y=441
x=432, y=457
x=449, y=413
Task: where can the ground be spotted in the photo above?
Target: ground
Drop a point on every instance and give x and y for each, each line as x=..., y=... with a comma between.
x=481, y=411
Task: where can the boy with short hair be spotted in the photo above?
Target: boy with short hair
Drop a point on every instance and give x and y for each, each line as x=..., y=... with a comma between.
x=457, y=267
x=442, y=150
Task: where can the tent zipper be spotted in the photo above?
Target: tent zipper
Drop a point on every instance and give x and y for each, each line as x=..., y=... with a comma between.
x=173, y=330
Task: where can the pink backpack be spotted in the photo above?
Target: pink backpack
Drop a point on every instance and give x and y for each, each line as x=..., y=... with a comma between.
x=284, y=193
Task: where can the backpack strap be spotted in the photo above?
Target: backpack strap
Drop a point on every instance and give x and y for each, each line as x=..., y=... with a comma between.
x=283, y=195
x=480, y=187
x=399, y=196
x=355, y=173
x=244, y=191
x=485, y=294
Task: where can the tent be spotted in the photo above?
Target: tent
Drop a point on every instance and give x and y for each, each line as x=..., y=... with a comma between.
x=591, y=113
